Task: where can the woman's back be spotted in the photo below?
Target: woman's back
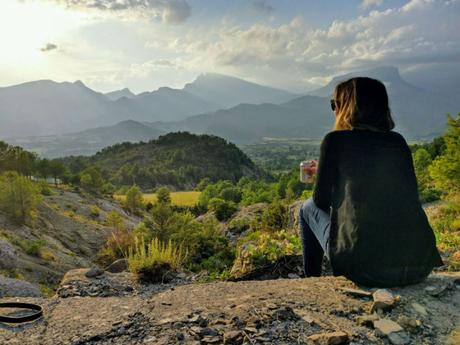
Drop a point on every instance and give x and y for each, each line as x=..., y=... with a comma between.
x=379, y=232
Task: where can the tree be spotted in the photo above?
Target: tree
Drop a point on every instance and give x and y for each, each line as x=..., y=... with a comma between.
x=134, y=200
x=91, y=180
x=223, y=210
x=164, y=196
x=56, y=169
x=445, y=169
x=422, y=160
x=43, y=168
x=19, y=196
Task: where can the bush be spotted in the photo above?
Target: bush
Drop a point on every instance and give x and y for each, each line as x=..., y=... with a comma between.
x=163, y=196
x=153, y=262
x=95, y=211
x=34, y=247
x=134, y=201
x=91, y=180
x=44, y=188
x=222, y=209
x=275, y=216
x=19, y=196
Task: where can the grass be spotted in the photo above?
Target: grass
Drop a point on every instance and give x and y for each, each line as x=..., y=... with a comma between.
x=177, y=198
x=152, y=261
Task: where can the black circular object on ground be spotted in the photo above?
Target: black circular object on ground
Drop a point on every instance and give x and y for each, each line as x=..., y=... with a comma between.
x=11, y=319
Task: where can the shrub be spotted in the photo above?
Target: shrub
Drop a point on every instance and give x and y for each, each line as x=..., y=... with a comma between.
x=275, y=216
x=34, y=247
x=91, y=180
x=134, y=201
x=164, y=196
x=44, y=188
x=222, y=209
x=152, y=262
x=19, y=196
x=95, y=211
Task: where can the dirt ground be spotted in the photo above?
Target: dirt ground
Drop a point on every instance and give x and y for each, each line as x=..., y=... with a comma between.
x=283, y=311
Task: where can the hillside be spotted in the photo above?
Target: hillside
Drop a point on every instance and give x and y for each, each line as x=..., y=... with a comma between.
x=64, y=235
x=179, y=160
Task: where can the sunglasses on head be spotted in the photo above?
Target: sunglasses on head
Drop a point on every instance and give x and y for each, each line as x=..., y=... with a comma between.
x=333, y=104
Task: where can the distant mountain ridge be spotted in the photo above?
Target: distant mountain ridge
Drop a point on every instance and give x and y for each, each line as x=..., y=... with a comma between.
x=45, y=107
x=419, y=114
x=117, y=94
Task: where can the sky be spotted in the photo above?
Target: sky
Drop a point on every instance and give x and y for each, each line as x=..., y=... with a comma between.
x=297, y=45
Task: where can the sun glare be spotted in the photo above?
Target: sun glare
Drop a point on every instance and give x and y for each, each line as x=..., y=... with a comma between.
x=26, y=27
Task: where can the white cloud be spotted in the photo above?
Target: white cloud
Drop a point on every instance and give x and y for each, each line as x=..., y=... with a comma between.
x=169, y=11
x=370, y=3
x=422, y=31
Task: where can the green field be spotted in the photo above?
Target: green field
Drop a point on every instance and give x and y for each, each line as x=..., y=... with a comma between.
x=177, y=198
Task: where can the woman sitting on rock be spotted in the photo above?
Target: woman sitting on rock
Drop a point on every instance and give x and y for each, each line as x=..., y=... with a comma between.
x=365, y=214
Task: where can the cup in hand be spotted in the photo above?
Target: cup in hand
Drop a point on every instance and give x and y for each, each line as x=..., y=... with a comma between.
x=308, y=170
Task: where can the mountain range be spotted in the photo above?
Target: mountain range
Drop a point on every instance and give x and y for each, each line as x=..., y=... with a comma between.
x=84, y=121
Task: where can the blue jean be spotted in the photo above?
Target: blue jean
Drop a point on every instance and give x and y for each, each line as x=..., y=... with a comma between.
x=315, y=225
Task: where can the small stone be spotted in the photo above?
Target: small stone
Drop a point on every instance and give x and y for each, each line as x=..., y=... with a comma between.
x=419, y=308
x=367, y=320
x=386, y=326
x=383, y=299
x=334, y=338
x=94, y=272
x=436, y=291
x=271, y=306
x=181, y=275
x=118, y=266
x=233, y=338
x=399, y=338
x=409, y=323
x=211, y=339
x=208, y=332
x=356, y=292
x=293, y=276
x=180, y=336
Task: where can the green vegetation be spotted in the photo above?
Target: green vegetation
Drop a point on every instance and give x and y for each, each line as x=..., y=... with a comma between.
x=178, y=159
x=134, y=200
x=19, y=197
x=153, y=261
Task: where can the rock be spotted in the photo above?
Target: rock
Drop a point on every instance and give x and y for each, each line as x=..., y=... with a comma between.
x=334, y=338
x=409, y=323
x=233, y=338
x=8, y=258
x=419, y=308
x=211, y=340
x=10, y=287
x=118, y=266
x=293, y=276
x=399, y=338
x=367, y=320
x=285, y=313
x=386, y=326
x=383, y=299
x=436, y=291
x=94, y=272
x=356, y=292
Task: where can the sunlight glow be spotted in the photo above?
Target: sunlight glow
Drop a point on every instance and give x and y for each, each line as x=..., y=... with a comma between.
x=26, y=27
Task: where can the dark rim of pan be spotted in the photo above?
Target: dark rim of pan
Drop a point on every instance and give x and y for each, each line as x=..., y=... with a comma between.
x=38, y=312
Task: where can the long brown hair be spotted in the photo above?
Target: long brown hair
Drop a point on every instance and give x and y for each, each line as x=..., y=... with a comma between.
x=363, y=102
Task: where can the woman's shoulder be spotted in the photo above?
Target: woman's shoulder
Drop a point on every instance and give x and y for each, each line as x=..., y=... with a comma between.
x=359, y=134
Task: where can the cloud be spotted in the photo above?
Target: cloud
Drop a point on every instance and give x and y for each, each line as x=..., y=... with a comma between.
x=262, y=6
x=295, y=52
x=168, y=11
x=48, y=47
x=370, y=3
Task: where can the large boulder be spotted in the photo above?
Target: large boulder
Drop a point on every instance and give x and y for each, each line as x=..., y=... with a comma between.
x=8, y=258
x=10, y=287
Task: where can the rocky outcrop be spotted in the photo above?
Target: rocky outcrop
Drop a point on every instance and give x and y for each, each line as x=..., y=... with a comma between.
x=326, y=310
x=8, y=258
x=10, y=287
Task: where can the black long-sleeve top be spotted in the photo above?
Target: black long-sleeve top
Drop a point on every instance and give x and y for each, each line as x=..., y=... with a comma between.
x=380, y=235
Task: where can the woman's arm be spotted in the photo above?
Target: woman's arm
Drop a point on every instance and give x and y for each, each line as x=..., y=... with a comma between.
x=322, y=194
